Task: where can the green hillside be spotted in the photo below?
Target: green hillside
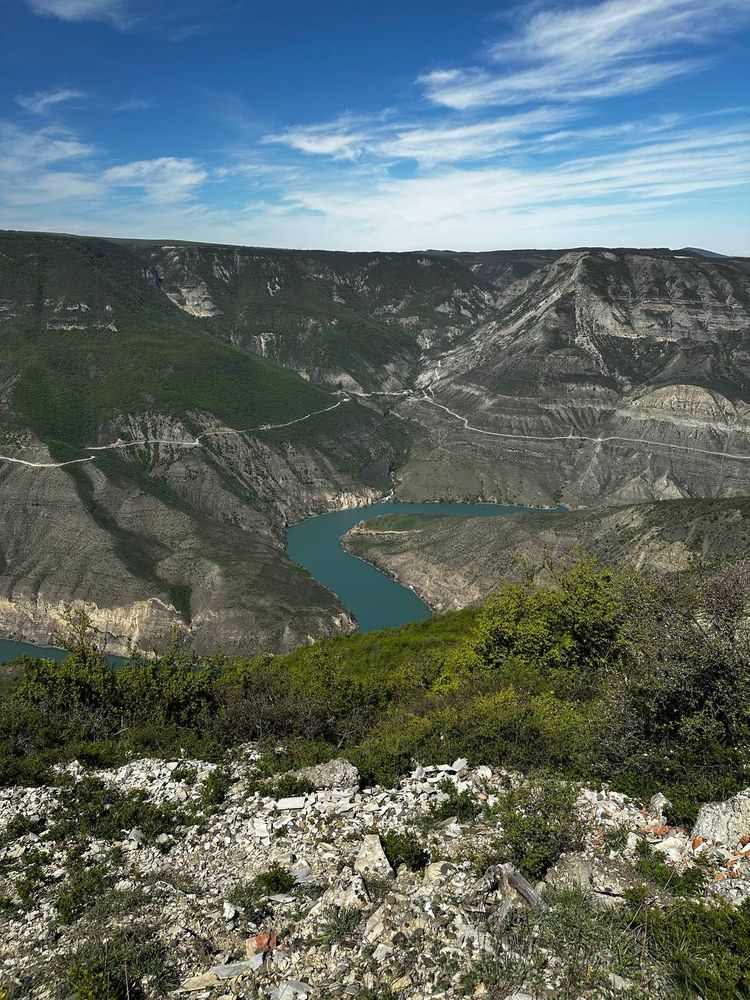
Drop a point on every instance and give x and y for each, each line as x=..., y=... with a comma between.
x=68, y=382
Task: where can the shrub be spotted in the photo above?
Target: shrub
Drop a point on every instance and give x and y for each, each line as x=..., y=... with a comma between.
x=339, y=926
x=115, y=965
x=404, y=849
x=539, y=823
x=462, y=805
x=280, y=786
x=215, y=788
x=82, y=888
x=250, y=896
x=706, y=948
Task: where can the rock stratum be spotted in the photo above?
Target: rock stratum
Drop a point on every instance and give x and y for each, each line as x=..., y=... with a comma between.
x=166, y=410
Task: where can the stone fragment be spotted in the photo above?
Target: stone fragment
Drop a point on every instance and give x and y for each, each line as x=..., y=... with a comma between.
x=290, y=989
x=293, y=802
x=337, y=773
x=659, y=803
x=260, y=944
x=232, y=971
x=725, y=822
x=202, y=982
x=371, y=859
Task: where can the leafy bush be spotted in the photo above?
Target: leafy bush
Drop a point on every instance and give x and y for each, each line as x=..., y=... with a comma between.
x=215, y=788
x=462, y=805
x=280, y=787
x=539, y=823
x=250, y=895
x=404, y=849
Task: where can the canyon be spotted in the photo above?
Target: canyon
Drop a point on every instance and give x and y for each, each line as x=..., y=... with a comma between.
x=167, y=410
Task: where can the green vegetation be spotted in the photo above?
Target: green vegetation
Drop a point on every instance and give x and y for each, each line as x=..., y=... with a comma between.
x=404, y=849
x=250, y=896
x=604, y=677
x=539, y=823
x=643, y=683
x=92, y=808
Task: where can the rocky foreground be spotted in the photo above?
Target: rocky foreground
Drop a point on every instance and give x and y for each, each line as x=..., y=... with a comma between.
x=254, y=893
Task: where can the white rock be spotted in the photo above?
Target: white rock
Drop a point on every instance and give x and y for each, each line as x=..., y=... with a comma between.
x=724, y=822
x=294, y=802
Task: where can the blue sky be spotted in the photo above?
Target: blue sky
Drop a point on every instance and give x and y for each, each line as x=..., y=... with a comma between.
x=422, y=123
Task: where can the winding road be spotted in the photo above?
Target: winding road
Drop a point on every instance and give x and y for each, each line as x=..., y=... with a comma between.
x=424, y=397
x=578, y=437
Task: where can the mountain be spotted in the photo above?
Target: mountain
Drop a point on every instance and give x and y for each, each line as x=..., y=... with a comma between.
x=206, y=396
x=454, y=562
x=188, y=526
x=701, y=253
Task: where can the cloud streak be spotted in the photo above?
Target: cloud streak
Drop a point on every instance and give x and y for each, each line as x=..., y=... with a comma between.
x=43, y=101
x=115, y=12
x=588, y=52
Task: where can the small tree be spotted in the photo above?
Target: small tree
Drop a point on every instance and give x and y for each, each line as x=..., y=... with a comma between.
x=79, y=635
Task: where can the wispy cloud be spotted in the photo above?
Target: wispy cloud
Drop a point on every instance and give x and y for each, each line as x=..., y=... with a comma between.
x=588, y=52
x=43, y=101
x=114, y=12
x=347, y=137
x=25, y=151
x=168, y=179
x=429, y=143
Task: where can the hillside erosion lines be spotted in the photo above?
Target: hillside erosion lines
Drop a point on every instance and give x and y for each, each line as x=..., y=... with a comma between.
x=578, y=437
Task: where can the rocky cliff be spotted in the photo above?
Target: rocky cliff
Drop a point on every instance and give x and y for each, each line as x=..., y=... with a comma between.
x=174, y=406
x=453, y=562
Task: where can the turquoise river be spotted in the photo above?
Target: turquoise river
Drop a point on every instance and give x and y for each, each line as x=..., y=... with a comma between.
x=375, y=600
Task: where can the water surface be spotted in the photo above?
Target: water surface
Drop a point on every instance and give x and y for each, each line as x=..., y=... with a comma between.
x=10, y=650
x=374, y=599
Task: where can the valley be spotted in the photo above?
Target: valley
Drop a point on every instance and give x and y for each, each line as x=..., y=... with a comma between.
x=168, y=410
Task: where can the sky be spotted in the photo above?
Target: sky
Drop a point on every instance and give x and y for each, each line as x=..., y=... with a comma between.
x=403, y=124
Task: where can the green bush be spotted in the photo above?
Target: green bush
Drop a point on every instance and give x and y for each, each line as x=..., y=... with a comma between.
x=92, y=808
x=404, y=849
x=280, y=787
x=705, y=947
x=462, y=805
x=539, y=823
x=250, y=895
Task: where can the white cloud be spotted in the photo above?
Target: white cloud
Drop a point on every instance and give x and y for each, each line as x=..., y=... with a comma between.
x=24, y=151
x=588, y=52
x=112, y=11
x=41, y=101
x=167, y=179
x=430, y=143
x=345, y=138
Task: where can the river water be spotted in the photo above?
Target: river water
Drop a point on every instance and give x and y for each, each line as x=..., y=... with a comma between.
x=375, y=600
x=370, y=596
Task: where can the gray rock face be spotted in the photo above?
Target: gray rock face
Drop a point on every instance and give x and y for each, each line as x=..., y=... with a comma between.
x=333, y=774
x=725, y=822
